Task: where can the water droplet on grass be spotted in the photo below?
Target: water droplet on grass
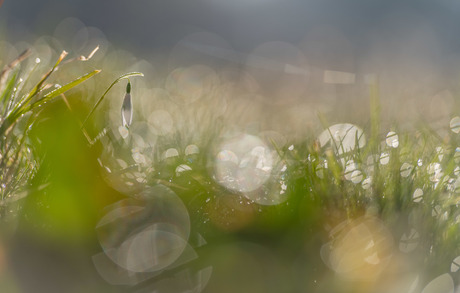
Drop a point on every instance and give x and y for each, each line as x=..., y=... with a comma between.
x=191, y=150
x=124, y=132
x=182, y=168
x=435, y=172
x=244, y=163
x=406, y=169
x=384, y=158
x=320, y=171
x=342, y=138
x=170, y=153
x=366, y=184
x=455, y=266
x=350, y=166
x=356, y=176
x=455, y=124
x=392, y=139
x=418, y=195
x=457, y=171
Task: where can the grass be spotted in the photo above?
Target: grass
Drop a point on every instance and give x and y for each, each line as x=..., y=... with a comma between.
x=21, y=102
x=329, y=192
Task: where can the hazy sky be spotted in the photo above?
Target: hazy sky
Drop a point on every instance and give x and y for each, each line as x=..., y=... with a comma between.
x=243, y=23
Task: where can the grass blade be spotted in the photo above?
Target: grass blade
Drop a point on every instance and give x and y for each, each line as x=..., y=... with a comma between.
x=11, y=65
x=38, y=86
x=124, y=76
x=55, y=93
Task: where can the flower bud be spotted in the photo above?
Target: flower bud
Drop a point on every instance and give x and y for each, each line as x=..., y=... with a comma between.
x=127, y=108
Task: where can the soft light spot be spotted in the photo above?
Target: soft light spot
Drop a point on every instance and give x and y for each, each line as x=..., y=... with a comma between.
x=457, y=171
x=409, y=241
x=359, y=249
x=366, y=184
x=406, y=169
x=455, y=124
x=418, y=195
x=343, y=138
x=435, y=172
x=320, y=171
x=455, y=266
x=356, y=176
x=384, y=158
x=191, y=150
x=124, y=132
x=122, y=163
x=171, y=153
x=182, y=168
x=243, y=164
x=350, y=167
x=442, y=284
x=392, y=139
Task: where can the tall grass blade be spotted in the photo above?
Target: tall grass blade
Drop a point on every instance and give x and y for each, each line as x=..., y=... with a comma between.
x=6, y=70
x=55, y=93
x=124, y=76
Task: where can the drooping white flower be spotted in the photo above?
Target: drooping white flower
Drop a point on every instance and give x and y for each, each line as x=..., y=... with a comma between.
x=127, y=108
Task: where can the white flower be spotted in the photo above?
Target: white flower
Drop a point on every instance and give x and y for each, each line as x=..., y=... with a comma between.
x=127, y=108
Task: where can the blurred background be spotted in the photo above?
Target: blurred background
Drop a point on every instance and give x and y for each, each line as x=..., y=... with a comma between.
x=411, y=46
x=144, y=25
x=227, y=180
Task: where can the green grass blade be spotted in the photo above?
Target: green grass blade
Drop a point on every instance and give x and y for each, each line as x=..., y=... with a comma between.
x=55, y=93
x=36, y=89
x=6, y=70
x=124, y=76
x=7, y=94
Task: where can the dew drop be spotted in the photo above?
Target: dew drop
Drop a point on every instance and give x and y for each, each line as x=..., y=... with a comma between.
x=406, y=169
x=455, y=124
x=366, y=184
x=418, y=195
x=392, y=139
x=356, y=176
x=384, y=158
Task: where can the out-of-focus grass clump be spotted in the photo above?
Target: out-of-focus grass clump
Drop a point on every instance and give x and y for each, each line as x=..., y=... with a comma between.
x=25, y=88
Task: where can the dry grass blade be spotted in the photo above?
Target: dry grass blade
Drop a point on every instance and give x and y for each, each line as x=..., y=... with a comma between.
x=6, y=70
x=83, y=58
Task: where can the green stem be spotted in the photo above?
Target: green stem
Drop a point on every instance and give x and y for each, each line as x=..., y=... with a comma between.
x=124, y=76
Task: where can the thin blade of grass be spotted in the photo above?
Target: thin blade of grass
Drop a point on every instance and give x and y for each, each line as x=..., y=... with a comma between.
x=22, y=105
x=83, y=58
x=36, y=89
x=6, y=70
x=7, y=94
x=124, y=76
x=55, y=93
